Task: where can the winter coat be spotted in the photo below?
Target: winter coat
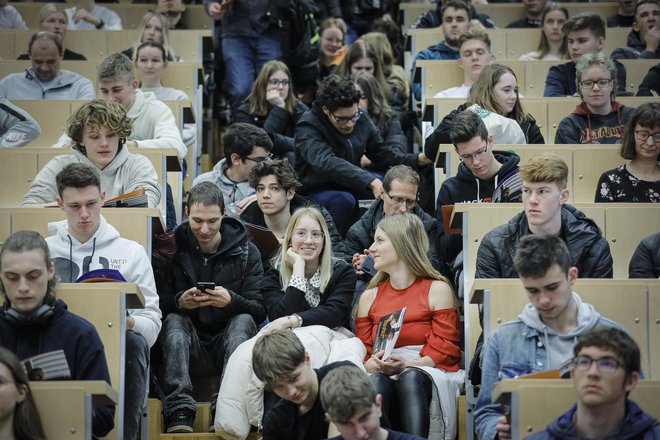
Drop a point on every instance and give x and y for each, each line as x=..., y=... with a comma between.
x=329, y=160
x=107, y=250
x=637, y=425
x=236, y=266
x=645, y=262
x=440, y=135
x=333, y=309
x=590, y=252
x=361, y=235
x=636, y=49
x=465, y=187
x=278, y=123
x=584, y=127
x=82, y=348
x=650, y=82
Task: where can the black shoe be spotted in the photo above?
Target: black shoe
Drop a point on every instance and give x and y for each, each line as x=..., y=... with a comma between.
x=181, y=421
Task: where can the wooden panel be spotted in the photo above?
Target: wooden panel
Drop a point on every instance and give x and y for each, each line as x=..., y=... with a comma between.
x=64, y=411
x=7, y=38
x=626, y=225
x=17, y=168
x=636, y=70
x=654, y=331
x=5, y=225
x=52, y=118
x=589, y=162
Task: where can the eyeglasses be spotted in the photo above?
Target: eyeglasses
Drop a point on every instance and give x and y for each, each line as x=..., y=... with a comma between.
x=279, y=82
x=644, y=135
x=410, y=203
x=317, y=236
x=260, y=159
x=479, y=154
x=602, y=83
x=605, y=365
x=343, y=120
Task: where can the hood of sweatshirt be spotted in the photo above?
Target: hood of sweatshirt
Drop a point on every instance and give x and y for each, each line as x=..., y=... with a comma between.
x=468, y=188
x=73, y=258
x=139, y=105
x=559, y=347
x=611, y=119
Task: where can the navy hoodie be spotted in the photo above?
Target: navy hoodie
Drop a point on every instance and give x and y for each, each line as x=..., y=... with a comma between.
x=465, y=187
x=637, y=425
x=82, y=348
x=584, y=127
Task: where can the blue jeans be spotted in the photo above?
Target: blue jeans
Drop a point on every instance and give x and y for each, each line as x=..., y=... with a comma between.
x=137, y=378
x=243, y=58
x=184, y=353
x=342, y=206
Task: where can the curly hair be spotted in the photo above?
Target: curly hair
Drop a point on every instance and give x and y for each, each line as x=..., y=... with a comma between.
x=337, y=92
x=281, y=169
x=599, y=59
x=96, y=114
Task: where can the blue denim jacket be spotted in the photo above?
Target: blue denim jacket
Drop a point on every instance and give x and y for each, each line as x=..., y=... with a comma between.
x=514, y=349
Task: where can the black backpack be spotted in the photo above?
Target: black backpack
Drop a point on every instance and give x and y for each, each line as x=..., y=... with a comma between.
x=299, y=37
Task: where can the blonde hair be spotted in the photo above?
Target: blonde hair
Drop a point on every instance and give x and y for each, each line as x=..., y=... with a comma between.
x=411, y=244
x=257, y=97
x=325, y=263
x=545, y=168
x=165, y=35
x=601, y=60
x=49, y=9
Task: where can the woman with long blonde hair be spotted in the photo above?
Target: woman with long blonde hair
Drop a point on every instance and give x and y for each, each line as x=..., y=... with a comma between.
x=306, y=286
x=429, y=336
x=153, y=27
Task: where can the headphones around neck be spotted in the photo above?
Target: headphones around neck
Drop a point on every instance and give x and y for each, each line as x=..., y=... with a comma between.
x=40, y=316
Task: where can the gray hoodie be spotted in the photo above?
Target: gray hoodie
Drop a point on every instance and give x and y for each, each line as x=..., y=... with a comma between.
x=66, y=85
x=17, y=127
x=559, y=348
x=233, y=192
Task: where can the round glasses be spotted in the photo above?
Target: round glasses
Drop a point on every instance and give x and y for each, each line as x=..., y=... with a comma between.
x=317, y=236
x=605, y=365
x=644, y=135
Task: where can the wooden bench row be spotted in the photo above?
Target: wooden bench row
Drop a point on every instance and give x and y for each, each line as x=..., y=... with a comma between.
x=436, y=75
x=131, y=14
x=503, y=13
x=96, y=45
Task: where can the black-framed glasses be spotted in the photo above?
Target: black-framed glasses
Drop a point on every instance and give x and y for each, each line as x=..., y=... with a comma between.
x=260, y=159
x=602, y=83
x=317, y=236
x=410, y=203
x=643, y=135
x=279, y=82
x=479, y=154
x=343, y=120
x=605, y=365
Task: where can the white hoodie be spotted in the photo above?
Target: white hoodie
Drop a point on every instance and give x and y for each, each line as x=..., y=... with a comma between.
x=107, y=250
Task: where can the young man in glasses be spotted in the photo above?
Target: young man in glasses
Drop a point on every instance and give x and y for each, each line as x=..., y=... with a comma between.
x=245, y=146
x=398, y=195
x=276, y=184
x=331, y=138
x=542, y=337
x=211, y=300
x=544, y=197
x=586, y=34
x=479, y=173
x=605, y=370
x=599, y=118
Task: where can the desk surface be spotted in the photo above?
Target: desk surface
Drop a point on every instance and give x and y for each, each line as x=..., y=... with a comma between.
x=101, y=391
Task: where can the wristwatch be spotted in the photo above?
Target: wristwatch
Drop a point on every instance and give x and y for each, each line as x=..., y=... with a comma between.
x=101, y=24
x=300, y=321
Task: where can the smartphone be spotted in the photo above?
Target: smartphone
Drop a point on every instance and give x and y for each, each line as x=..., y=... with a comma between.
x=203, y=285
x=368, y=266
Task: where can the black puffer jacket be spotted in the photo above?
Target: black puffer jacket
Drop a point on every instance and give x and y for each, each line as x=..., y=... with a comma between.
x=441, y=134
x=236, y=266
x=361, y=234
x=645, y=262
x=278, y=123
x=253, y=214
x=329, y=160
x=590, y=252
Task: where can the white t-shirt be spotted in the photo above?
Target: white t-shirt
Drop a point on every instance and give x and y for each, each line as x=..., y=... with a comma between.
x=454, y=92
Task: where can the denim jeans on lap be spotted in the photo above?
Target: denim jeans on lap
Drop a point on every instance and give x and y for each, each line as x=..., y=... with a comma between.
x=244, y=57
x=185, y=354
x=342, y=206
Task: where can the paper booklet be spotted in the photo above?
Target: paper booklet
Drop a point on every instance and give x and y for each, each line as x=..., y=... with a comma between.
x=263, y=239
x=133, y=199
x=388, y=332
x=47, y=366
x=509, y=189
